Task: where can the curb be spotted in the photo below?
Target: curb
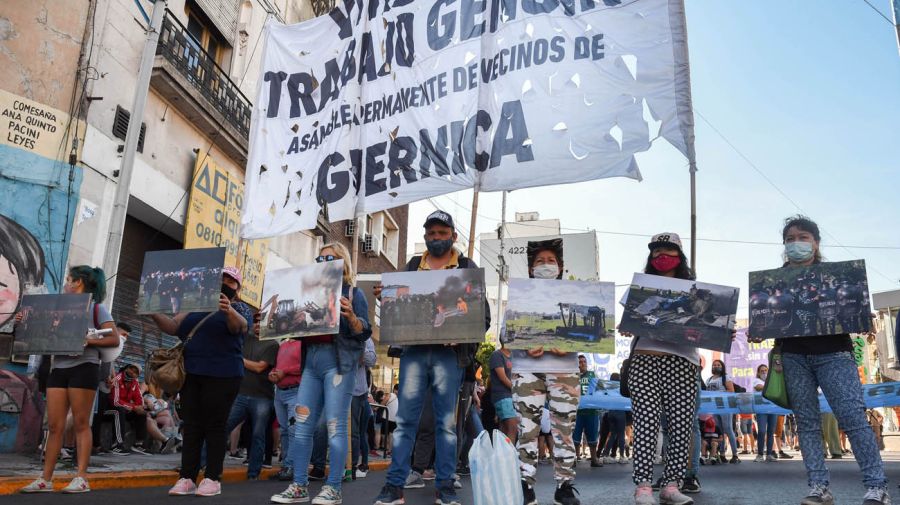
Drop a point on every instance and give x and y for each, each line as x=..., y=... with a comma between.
x=141, y=478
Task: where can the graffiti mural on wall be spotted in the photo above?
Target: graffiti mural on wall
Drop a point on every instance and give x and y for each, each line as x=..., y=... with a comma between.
x=39, y=200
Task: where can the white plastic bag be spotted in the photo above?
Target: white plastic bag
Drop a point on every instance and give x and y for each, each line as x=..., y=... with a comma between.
x=496, y=478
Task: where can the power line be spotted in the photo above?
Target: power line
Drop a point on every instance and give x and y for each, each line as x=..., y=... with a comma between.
x=648, y=235
x=780, y=191
x=879, y=12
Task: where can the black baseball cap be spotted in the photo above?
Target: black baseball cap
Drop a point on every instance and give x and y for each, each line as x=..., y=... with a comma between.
x=440, y=217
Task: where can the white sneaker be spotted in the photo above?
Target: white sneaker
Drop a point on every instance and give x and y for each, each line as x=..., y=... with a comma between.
x=624, y=460
x=818, y=495
x=78, y=485
x=876, y=496
x=328, y=496
x=38, y=486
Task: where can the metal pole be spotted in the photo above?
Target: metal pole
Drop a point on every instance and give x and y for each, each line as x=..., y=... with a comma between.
x=694, y=216
x=123, y=188
x=472, y=222
x=503, y=268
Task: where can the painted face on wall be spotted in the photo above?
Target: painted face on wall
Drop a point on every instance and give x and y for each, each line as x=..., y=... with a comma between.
x=10, y=290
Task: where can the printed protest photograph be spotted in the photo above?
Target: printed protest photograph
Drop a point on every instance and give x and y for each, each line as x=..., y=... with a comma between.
x=302, y=301
x=181, y=280
x=53, y=324
x=433, y=307
x=821, y=299
x=570, y=316
x=680, y=311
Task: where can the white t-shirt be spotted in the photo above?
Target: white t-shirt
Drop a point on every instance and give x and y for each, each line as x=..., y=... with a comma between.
x=757, y=382
x=545, y=420
x=392, y=408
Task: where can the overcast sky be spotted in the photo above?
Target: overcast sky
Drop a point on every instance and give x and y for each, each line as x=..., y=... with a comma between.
x=808, y=94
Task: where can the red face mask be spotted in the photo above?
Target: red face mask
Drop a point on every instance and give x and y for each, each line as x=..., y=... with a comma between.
x=665, y=263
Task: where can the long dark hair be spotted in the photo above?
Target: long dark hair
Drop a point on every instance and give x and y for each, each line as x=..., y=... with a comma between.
x=94, y=281
x=724, y=373
x=682, y=271
x=23, y=252
x=806, y=224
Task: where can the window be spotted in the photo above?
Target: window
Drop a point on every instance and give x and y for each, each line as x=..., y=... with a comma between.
x=120, y=127
x=204, y=36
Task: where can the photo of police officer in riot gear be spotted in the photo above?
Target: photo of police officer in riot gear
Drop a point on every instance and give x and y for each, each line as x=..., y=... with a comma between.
x=821, y=299
x=182, y=280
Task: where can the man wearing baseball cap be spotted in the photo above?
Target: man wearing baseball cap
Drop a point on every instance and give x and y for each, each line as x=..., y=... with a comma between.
x=214, y=367
x=436, y=368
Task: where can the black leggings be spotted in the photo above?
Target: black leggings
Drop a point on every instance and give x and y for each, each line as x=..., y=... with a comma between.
x=205, y=405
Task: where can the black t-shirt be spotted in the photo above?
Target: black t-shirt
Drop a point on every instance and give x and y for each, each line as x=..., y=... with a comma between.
x=822, y=344
x=257, y=384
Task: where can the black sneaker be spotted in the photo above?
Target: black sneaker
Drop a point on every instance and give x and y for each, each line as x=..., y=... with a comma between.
x=463, y=470
x=690, y=485
x=735, y=460
x=528, y=494
x=119, y=451
x=317, y=474
x=284, y=475
x=446, y=495
x=390, y=495
x=784, y=455
x=659, y=484
x=565, y=494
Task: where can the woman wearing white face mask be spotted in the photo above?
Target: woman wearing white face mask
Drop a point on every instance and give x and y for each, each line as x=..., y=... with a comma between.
x=534, y=386
x=826, y=362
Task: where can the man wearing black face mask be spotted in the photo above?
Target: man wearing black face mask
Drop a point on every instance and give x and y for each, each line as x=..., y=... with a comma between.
x=434, y=368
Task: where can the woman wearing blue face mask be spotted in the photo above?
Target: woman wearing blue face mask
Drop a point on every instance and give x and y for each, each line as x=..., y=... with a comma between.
x=826, y=362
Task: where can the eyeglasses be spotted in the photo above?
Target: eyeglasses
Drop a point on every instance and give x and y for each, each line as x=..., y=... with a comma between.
x=329, y=257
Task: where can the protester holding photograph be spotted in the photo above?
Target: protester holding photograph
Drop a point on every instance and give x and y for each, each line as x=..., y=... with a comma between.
x=826, y=363
x=73, y=383
x=435, y=367
x=214, y=367
x=326, y=390
x=559, y=391
x=663, y=380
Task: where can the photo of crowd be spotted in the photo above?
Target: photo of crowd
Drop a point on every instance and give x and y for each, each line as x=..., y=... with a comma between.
x=52, y=324
x=176, y=281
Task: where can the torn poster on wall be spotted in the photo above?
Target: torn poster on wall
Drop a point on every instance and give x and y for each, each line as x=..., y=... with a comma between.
x=368, y=109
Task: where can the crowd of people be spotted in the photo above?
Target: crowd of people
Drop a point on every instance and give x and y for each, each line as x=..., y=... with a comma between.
x=318, y=392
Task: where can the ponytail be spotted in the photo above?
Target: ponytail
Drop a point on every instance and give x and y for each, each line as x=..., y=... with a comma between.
x=94, y=280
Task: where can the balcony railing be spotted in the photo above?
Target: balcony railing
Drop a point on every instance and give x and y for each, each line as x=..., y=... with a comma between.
x=201, y=70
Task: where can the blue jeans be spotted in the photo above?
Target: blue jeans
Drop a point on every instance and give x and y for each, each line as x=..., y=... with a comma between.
x=587, y=423
x=765, y=433
x=360, y=412
x=694, y=468
x=836, y=374
x=435, y=368
x=726, y=421
x=285, y=401
x=256, y=411
x=322, y=391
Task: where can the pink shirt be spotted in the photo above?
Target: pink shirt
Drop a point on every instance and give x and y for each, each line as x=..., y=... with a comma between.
x=288, y=361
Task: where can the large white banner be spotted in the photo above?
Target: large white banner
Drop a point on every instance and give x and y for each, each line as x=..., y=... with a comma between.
x=383, y=103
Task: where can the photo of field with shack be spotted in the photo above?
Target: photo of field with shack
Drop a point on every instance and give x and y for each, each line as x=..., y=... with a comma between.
x=572, y=316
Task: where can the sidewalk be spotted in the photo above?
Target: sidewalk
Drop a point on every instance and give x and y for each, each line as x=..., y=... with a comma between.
x=108, y=471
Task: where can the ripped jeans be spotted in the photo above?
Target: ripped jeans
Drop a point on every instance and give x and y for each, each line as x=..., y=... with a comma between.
x=322, y=391
x=424, y=367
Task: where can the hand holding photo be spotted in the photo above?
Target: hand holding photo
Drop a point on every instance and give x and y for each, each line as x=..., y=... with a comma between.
x=821, y=299
x=181, y=280
x=302, y=301
x=53, y=324
x=433, y=307
x=680, y=311
x=572, y=316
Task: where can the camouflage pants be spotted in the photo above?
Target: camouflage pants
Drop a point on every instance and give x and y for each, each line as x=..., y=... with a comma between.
x=531, y=391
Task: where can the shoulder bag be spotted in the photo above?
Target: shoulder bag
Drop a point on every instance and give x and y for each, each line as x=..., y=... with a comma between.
x=775, y=389
x=626, y=369
x=165, y=367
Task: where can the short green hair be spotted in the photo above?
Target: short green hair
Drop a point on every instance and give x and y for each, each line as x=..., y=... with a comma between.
x=94, y=280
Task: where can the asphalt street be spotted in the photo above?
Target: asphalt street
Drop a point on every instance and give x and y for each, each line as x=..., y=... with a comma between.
x=782, y=482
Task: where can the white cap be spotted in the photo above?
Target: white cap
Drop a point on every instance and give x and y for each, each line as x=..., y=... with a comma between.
x=665, y=239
